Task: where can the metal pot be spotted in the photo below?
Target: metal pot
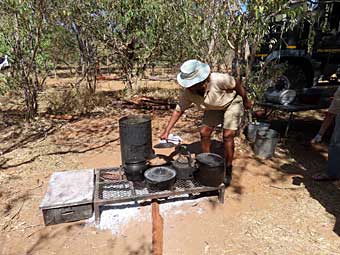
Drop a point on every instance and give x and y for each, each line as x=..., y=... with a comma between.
x=211, y=171
x=134, y=171
x=160, y=178
x=135, y=136
x=184, y=167
x=284, y=97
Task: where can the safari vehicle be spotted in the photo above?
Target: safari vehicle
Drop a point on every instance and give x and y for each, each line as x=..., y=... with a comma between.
x=310, y=52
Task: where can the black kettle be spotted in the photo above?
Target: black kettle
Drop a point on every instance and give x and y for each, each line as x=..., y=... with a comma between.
x=134, y=171
x=184, y=164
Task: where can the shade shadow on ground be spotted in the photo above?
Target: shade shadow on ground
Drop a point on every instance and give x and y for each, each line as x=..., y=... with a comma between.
x=310, y=159
x=45, y=237
x=309, y=162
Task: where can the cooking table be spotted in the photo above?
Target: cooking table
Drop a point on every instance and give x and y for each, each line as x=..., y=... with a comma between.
x=291, y=109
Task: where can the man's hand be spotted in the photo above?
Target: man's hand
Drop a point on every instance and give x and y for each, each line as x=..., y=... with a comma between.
x=174, y=118
x=164, y=136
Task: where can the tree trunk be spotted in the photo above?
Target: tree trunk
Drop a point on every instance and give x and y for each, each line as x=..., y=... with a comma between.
x=31, y=101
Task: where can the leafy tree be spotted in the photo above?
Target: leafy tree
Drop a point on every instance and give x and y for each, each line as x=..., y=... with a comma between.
x=63, y=49
x=23, y=27
x=133, y=32
x=78, y=19
x=249, y=23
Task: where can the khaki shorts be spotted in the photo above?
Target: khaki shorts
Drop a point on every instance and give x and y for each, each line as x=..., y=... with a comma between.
x=231, y=118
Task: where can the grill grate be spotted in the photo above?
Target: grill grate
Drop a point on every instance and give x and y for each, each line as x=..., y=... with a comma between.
x=111, y=191
x=121, y=189
x=115, y=190
x=126, y=189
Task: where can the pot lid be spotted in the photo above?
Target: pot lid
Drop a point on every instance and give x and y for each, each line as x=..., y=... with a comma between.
x=210, y=159
x=160, y=174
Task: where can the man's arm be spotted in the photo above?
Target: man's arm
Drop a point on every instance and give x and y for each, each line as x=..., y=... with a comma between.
x=183, y=104
x=333, y=110
x=240, y=90
x=174, y=118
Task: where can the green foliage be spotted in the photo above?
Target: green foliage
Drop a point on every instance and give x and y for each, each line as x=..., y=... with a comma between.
x=250, y=25
x=5, y=84
x=78, y=19
x=133, y=34
x=24, y=27
x=132, y=31
x=264, y=77
x=62, y=48
x=4, y=47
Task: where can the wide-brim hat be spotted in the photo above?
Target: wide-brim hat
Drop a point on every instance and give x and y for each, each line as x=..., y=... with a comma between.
x=192, y=72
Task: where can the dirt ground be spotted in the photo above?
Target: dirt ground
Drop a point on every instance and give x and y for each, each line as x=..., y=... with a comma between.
x=271, y=207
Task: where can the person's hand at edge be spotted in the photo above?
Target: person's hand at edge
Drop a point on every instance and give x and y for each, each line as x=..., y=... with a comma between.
x=317, y=138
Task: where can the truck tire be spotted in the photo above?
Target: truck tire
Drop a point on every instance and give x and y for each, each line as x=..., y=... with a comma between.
x=298, y=77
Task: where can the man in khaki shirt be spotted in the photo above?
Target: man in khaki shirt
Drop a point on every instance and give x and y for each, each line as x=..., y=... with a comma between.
x=223, y=100
x=333, y=169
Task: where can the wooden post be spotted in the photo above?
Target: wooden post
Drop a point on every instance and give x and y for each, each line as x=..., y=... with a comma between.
x=157, y=230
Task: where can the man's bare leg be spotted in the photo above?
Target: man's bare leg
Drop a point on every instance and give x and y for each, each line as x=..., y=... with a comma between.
x=205, y=133
x=229, y=148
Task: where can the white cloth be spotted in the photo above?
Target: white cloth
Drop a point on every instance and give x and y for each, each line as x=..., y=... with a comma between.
x=175, y=139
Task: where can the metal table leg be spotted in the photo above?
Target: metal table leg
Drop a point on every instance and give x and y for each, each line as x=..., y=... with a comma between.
x=96, y=213
x=221, y=194
x=289, y=123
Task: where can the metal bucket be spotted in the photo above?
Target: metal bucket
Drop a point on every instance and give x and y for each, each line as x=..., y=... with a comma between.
x=135, y=138
x=253, y=127
x=265, y=143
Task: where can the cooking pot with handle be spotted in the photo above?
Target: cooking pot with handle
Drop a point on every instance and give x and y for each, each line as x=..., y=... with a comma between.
x=160, y=178
x=134, y=171
x=184, y=165
x=211, y=170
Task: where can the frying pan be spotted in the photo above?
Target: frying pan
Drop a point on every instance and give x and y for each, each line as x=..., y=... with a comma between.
x=163, y=145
